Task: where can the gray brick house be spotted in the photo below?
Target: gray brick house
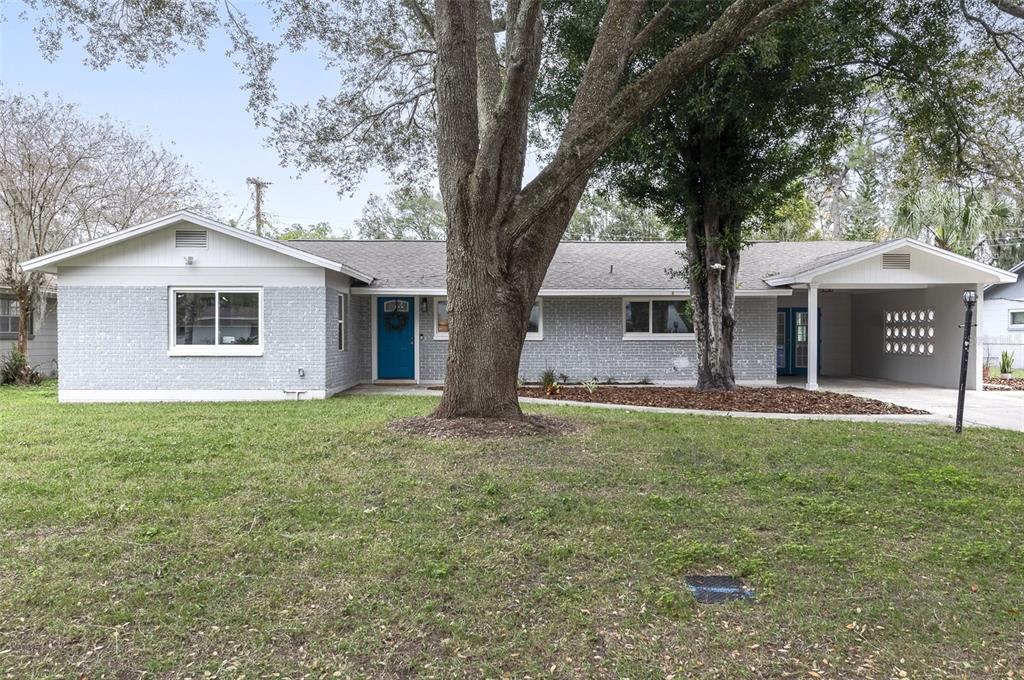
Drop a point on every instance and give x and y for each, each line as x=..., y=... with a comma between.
x=187, y=308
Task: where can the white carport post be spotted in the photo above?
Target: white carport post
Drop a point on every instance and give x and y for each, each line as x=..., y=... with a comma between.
x=812, y=336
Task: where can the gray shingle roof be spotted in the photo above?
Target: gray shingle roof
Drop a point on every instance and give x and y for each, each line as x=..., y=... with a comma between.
x=582, y=265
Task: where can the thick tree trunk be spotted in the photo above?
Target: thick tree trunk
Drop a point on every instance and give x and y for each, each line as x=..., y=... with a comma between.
x=713, y=258
x=483, y=350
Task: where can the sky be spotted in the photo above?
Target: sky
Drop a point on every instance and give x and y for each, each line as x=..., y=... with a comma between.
x=194, y=105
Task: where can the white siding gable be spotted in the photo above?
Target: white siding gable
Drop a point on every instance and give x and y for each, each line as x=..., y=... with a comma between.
x=158, y=249
x=925, y=269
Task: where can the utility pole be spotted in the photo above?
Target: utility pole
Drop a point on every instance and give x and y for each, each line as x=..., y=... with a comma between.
x=260, y=186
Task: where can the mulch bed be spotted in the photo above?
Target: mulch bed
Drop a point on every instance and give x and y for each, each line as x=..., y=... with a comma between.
x=485, y=428
x=1006, y=383
x=750, y=399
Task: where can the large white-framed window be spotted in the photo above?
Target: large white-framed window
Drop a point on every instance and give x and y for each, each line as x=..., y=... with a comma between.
x=342, y=316
x=535, y=328
x=216, y=321
x=657, y=319
x=1016, y=320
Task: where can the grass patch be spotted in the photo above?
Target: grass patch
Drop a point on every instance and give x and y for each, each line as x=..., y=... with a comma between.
x=309, y=539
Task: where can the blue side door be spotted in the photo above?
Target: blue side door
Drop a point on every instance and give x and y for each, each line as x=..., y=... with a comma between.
x=396, y=340
x=791, y=340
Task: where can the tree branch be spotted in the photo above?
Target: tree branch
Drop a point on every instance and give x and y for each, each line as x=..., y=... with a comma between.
x=648, y=31
x=488, y=67
x=421, y=14
x=993, y=34
x=584, y=143
x=1009, y=7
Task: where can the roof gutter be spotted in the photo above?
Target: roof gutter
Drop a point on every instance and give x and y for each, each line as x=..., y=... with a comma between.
x=579, y=292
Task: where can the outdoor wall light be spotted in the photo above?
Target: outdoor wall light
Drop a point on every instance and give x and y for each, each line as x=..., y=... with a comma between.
x=423, y=305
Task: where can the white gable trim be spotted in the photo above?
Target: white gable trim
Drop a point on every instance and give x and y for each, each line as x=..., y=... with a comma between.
x=47, y=262
x=809, y=275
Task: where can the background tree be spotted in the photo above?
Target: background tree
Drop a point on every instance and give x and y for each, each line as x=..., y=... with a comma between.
x=65, y=179
x=458, y=80
x=318, y=231
x=602, y=216
x=792, y=218
x=406, y=213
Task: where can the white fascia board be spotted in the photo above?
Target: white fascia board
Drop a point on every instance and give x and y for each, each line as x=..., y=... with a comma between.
x=46, y=262
x=809, y=275
x=579, y=292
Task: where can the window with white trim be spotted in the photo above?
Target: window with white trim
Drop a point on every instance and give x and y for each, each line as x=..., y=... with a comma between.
x=1016, y=319
x=216, y=321
x=342, y=315
x=652, y=318
x=534, y=328
x=10, y=318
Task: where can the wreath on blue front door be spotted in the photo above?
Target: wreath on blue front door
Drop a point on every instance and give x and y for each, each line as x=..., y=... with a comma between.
x=396, y=315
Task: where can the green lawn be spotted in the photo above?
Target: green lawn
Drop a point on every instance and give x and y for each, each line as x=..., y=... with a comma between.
x=306, y=539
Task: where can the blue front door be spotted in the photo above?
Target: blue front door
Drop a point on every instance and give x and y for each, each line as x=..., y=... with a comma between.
x=396, y=339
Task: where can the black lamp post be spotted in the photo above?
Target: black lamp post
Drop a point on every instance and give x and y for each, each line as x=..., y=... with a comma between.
x=970, y=297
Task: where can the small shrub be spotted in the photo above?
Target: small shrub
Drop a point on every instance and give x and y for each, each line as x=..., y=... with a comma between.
x=645, y=380
x=1006, y=362
x=611, y=381
x=590, y=386
x=563, y=378
x=547, y=378
x=14, y=370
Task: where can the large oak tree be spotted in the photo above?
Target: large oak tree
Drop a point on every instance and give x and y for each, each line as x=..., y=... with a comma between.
x=463, y=72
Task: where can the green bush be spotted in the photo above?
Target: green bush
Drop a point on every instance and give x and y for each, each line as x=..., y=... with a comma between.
x=14, y=370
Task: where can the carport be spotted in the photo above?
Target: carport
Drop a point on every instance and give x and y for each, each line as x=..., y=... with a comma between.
x=891, y=311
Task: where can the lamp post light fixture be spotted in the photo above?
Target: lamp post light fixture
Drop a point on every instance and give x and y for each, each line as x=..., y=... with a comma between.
x=970, y=297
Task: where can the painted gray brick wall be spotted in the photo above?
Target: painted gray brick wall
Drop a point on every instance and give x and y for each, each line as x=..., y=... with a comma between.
x=351, y=366
x=116, y=338
x=583, y=339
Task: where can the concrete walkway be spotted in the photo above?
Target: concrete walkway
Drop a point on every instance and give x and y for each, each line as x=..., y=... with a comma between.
x=1003, y=409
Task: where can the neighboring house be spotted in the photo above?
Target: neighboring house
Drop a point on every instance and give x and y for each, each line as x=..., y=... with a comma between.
x=186, y=308
x=1002, y=324
x=42, y=331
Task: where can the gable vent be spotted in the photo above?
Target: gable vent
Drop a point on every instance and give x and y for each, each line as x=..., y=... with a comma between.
x=190, y=238
x=895, y=260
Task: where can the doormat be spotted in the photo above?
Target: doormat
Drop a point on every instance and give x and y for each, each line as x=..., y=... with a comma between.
x=711, y=589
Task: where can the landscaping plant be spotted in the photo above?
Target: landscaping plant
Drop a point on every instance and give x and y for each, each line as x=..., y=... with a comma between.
x=1006, y=365
x=14, y=370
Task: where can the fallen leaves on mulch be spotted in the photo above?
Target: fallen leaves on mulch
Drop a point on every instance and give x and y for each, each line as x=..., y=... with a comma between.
x=1005, y=383
x=485, y=428
x=750, y=399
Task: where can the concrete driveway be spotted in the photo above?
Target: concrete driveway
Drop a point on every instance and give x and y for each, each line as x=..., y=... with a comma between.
x=991, y=409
